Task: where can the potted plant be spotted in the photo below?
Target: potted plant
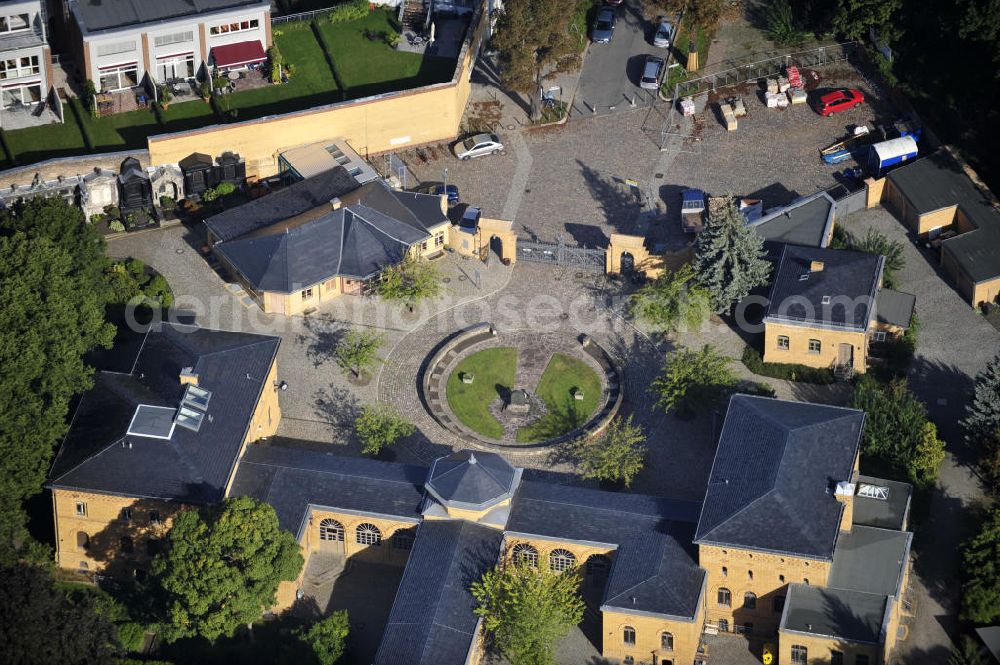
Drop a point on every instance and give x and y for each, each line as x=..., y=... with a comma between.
x=165, y=96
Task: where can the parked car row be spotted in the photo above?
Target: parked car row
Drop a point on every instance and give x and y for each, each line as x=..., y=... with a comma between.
x=603, y=28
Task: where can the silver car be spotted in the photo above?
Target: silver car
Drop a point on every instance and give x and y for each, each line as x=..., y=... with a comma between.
x=478, y=145
x=604, y=26
x=664, y=34
x=652, y=70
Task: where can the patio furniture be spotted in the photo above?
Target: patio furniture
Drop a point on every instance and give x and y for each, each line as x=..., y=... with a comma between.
x=233, y=75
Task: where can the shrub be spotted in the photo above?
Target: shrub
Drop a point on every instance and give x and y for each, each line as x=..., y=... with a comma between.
x=781, y=24
x=380, y=427
x=790, y=372
x=167, y=202
x=131, y=636
x=90, y=97
x=225, y=188
x=116, y=226
x=349, y=11
x=692, y=380
x=205, y=89
x=98, y=218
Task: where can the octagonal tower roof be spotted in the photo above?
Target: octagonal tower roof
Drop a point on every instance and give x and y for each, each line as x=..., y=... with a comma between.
x=472, y=481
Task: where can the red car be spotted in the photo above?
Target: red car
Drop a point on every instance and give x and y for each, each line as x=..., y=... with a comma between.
x=840, y=100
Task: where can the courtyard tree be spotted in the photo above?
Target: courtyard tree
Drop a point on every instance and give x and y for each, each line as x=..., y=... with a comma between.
x=379, y=427
x=326, y=638
x=221, y=568
x=874, y=242
x=729, y=256
x=981, y=593
x=41, y=624
x=534, y=41
x=52, y=312
x=410, y=281
x=854, y=18
x=673, y=300
x=982, y=415
x=694, y=379
x=897, y=429
x=357, y=353
x=618, y=455
x=526, y=611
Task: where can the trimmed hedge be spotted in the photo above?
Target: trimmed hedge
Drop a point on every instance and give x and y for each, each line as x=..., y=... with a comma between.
x=349, y=11
x=790, y=372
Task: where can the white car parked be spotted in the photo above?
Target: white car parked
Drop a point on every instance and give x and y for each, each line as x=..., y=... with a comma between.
x=478, y=145
x=664, y=34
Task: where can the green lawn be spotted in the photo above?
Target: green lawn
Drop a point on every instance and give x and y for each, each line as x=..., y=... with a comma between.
x=369, y=67
x=311, y=84
x=38, y=143
x=492, y=369
x=561, y=376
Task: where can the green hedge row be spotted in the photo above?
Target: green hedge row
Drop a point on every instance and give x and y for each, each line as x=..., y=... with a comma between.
x=791, y=372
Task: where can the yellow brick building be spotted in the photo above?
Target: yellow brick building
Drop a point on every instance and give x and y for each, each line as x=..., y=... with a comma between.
x=827, y=307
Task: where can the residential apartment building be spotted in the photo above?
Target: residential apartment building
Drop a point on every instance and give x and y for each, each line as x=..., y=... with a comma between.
x=25, y=57
x=826, y=307
x=120, y=44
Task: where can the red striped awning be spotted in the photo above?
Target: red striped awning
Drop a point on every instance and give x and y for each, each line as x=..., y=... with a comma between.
x=240, y=53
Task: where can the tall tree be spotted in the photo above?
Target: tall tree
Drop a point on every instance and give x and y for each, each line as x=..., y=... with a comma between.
x=327, y=638
x=616, y=456
x=692, y=379
x=221, y=568
x=965, y=652
x=981, y=593
x=410, y=281
x=52, y=300
x=875, y=242
x=379, y=427
x=854, y=18
x=358, y=352
x=704, y=13
x=527, y=611
x=729, y=256
x=39, y=624
x=982, y=415
x=673, y=300
x=535, y=41
x=897, y=429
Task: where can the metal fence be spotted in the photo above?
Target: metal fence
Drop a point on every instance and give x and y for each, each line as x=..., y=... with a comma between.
x=559, y=253
x=752, y=71
x=308, y=16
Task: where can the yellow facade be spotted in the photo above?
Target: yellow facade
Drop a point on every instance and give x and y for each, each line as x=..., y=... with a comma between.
x=820, y=650
x=488, y=233
x=392, y=121
x=798, y=347
x=762, y=574
x=657, y=640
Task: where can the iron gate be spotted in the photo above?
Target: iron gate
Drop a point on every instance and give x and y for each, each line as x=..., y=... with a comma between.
x=561, y=254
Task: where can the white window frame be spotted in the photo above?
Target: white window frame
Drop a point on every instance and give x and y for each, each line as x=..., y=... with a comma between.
x=819, y=346
x=159, y=41
x=5, y=26
x=878, y=336
x=561, y=560
x=21, y=90
x=175, y=62
x=116, y=48
x=118, y=71
x=81, y=509
x=227, y=28
x=19, y=69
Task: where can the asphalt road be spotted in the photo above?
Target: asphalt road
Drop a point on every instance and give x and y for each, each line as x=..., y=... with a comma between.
x=610, y=76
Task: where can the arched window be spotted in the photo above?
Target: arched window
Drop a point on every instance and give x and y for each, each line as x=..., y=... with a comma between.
x=750, y=575
x=725, y=597
x=403, y=539
x=597, y=569
x=800, y=654
x=526, y=554
x=628, y=636
x=725, y=572
x=667, y=641
x=82, y=540
x=749, y=601
x=368, y=534
x=560, y=560
x=331, y=529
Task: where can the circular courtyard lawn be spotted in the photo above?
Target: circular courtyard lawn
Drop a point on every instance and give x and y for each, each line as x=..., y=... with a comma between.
x=562, y=377
x=492, y=370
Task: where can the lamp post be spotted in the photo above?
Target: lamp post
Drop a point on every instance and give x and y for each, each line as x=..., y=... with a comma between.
x=446, y=181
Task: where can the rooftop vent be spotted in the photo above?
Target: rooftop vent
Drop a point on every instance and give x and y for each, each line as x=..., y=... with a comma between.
x=816, y=266
x=844, y=488
x=336, y=203
x=803, y=277
x=873, y=491
x=826, y=300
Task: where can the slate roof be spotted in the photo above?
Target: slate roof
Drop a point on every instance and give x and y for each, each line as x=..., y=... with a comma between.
x=110, y=14
x=472, y=480
x=193, y=467
x=294, y=200
x=807, y=221
x=888, y=514
x=797, y=294
x=354, y=241
x=292, y=479
x=432, y=621
x=870, y=559
x=421, y=211
x=655, y=563
x=839, y=613
x=775, y=466
x=936, y=182
x=894, y=307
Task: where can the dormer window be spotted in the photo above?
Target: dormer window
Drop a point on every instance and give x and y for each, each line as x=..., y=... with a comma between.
x=803, y=277
x=826, y=300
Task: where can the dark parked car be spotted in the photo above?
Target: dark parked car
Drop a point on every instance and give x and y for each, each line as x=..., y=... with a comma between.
x=652, y=72
x=451, y=190
x=840, y=100
x=604, y=26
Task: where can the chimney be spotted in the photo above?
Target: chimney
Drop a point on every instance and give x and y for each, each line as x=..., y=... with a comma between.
x=189, y=376
x=335, y=203
x=815, y=266
x=844, y=493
